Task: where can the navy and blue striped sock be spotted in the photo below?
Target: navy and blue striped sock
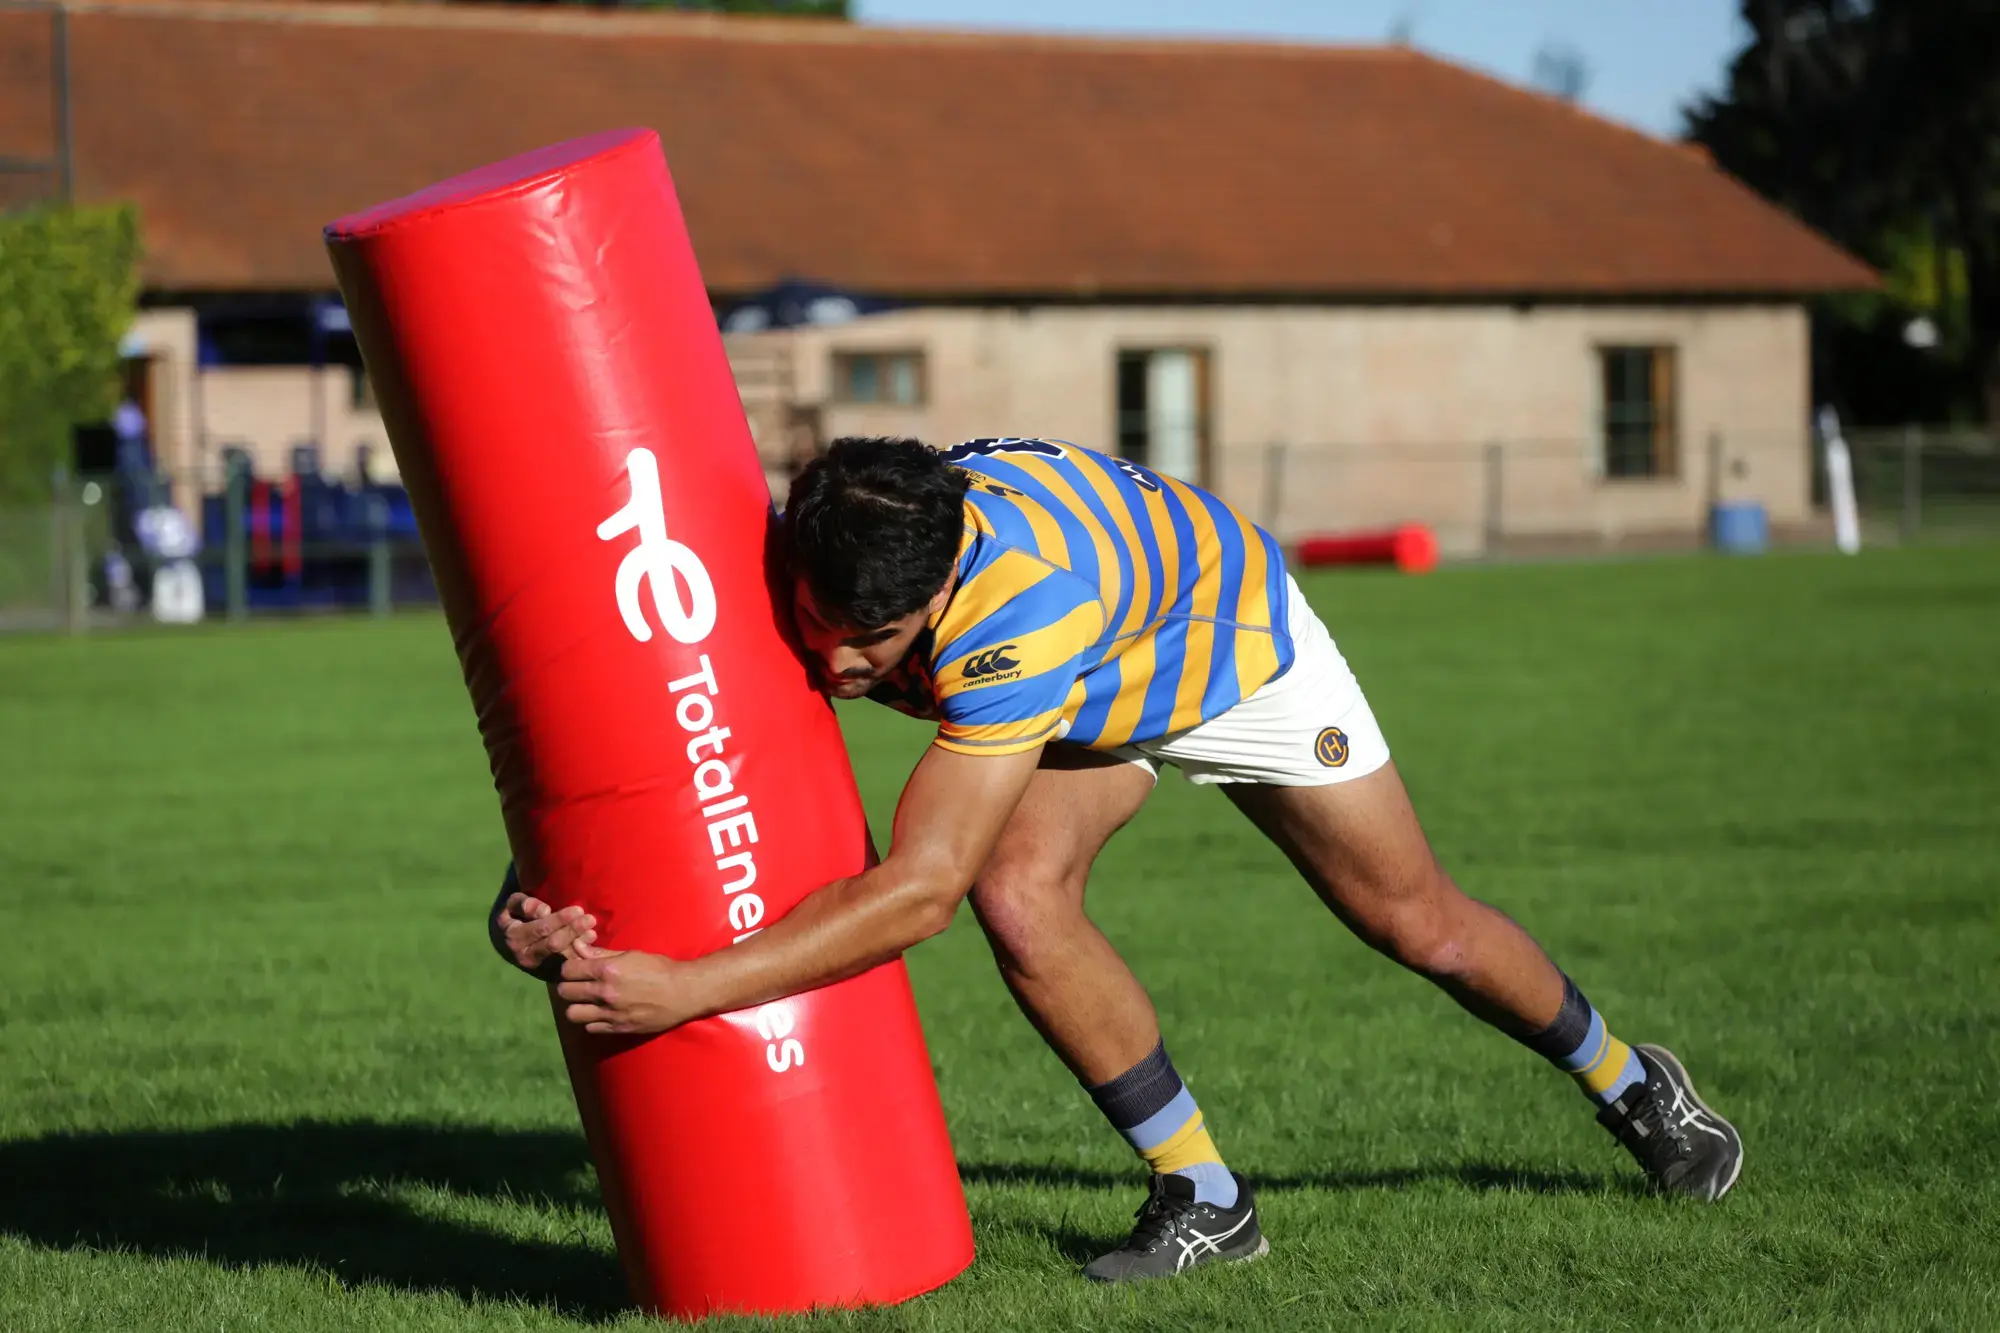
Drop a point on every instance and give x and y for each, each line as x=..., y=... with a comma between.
x=1579, y=1044
x=1156, y=1113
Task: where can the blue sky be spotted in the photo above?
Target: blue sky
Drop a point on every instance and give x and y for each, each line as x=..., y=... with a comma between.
x=1645, y=57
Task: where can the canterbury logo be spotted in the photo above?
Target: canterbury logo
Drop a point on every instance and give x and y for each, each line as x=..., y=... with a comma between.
x=991, y=662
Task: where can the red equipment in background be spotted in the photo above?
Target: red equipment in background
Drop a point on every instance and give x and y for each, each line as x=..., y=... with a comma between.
x=1411, y=548
x=559, y=403
x=260, y=524
x=290, y=522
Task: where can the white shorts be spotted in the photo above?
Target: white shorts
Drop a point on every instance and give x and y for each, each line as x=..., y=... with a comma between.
x=1307, y=728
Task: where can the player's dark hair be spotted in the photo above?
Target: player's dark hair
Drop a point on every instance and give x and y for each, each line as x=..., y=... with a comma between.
x=873, y=525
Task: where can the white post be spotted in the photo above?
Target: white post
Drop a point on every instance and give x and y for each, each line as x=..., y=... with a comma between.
x=1840, y=484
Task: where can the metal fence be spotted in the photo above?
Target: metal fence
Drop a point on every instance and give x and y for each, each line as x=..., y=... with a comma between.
x=1502, y=498
x=1925, y=484
x=113, y=548
x=1505, y=497
x=227, y=544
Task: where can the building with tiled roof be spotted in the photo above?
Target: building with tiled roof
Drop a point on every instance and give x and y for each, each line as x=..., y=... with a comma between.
x=1194, y=251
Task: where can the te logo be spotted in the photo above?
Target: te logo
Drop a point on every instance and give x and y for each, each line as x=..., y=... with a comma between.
x=990, y=663
x=655, y=561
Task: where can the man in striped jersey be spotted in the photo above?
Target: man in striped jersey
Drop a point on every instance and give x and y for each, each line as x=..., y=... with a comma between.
x=1072, y=622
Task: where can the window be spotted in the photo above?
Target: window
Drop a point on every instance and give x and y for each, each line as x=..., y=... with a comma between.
x=1163, y=410
x=890, y=378
x=1639, y=426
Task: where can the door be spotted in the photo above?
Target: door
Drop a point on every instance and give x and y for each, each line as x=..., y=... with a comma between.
x=1163, y=396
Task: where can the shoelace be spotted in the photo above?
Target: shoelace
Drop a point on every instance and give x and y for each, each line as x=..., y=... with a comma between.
x=1157, y=1218
x=1663, y=1133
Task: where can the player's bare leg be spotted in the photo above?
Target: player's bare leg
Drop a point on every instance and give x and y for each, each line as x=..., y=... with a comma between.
x=1068, y=980
x=1359, y=845
x=1083, y=999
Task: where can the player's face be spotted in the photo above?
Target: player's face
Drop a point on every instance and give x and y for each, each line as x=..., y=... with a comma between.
x=849, y=662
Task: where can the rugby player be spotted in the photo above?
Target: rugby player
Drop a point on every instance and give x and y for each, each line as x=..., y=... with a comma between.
x=1073, y=622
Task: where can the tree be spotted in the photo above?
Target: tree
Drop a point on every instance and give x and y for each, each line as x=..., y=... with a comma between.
x=68, y=286
x=1878, y=122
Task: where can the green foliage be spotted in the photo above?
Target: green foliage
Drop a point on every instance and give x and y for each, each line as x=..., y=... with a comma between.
x=1922, y=272
x=68, y=287
x=263, y=1072
x=1879, y=124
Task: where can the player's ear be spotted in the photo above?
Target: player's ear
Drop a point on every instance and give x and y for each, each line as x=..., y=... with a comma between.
x=943, y=595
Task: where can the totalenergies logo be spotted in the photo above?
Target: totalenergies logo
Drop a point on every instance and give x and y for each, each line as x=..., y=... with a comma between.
x=728, y=819
x=656, y=560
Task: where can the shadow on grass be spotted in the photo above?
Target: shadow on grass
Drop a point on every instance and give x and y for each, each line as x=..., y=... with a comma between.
x=308, y=1195
x=1468, y=1175
x=311, y=1195
x=1081, y=1247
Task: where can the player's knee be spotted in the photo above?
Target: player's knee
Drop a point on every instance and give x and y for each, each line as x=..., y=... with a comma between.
x=1419, y=927
x=1026, y=913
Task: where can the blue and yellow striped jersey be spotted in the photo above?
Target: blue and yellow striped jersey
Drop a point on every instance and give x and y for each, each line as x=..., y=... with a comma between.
x=1097, y=602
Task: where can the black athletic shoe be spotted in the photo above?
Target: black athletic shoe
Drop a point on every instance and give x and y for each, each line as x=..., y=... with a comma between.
x=1686, y=1148
x=1174, y=1233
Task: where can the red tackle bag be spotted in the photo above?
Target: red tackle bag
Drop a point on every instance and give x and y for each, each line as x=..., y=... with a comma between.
x=601, y=532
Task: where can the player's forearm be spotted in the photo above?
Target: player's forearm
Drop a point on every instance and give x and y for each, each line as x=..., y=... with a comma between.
x=837, y=932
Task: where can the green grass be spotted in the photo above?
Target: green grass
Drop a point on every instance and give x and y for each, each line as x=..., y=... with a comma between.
x=27, y=579
x=262, y=1071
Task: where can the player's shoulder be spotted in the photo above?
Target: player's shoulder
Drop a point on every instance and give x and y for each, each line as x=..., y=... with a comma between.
x=1002, y=584
x=973, y=455
x=1013, y=634
x=993, y=462
x=1039, y=495
x=1008, y=594
x=1016, y=543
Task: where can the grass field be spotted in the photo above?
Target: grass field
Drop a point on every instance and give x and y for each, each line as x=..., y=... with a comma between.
x=261, y=1070
x=27, y=578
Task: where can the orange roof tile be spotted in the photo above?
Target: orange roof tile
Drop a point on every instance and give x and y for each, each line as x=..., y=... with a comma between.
x=918, y=163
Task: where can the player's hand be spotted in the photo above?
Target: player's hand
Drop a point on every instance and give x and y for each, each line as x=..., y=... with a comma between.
x=626, y=993
x=536, y=938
